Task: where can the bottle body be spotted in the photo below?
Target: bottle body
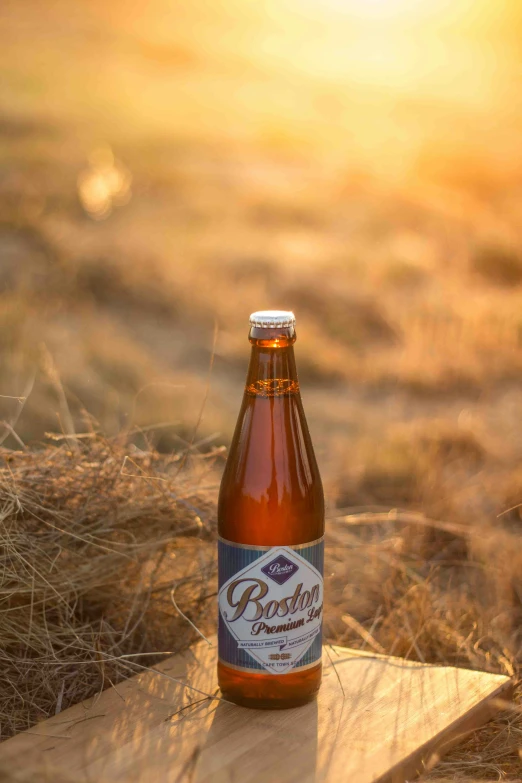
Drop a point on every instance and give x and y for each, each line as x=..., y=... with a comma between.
x=271, y=528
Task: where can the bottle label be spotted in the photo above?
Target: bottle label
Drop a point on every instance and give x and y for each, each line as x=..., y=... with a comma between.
x=270, y=606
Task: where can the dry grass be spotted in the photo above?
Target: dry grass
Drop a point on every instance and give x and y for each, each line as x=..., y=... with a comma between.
x=94, y=535
x=437, y=592
x=96, y=532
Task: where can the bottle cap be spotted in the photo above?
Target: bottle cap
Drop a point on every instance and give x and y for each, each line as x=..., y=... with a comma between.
x=272, y=319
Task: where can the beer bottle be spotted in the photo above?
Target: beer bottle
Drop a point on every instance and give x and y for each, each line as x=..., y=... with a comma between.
x=271, y=529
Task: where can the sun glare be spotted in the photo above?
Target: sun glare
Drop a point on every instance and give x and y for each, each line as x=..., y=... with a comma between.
x=424, y=47
x=370, y=9
x=399, y=11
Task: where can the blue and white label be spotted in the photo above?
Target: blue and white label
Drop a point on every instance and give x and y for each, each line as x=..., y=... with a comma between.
x=270, y=606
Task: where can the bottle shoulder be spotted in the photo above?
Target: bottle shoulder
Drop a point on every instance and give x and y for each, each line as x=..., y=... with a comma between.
x=272, y=445
x=271, y=486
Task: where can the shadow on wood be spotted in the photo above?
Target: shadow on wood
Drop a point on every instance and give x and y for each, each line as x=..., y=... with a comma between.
x=376, y=719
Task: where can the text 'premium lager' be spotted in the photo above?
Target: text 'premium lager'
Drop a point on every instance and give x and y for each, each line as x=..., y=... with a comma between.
x=271, y=528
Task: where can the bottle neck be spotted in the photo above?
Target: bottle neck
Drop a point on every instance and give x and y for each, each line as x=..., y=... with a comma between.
x=272, y=371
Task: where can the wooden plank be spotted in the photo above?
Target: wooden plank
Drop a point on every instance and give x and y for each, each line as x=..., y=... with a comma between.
x=376, y=719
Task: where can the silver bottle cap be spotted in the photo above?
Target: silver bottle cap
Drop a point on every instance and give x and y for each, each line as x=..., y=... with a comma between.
x=272, y=319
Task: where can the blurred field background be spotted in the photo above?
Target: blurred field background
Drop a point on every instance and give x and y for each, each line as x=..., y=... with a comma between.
x=166, y=168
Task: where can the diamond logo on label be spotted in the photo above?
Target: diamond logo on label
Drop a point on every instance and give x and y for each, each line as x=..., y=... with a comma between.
x=280, y=569
x=271, y=610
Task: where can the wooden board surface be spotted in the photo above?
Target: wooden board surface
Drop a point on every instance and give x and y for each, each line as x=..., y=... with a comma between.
x=376, y=719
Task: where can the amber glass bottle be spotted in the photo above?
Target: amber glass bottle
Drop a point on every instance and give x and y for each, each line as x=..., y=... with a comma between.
x=271, y=528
